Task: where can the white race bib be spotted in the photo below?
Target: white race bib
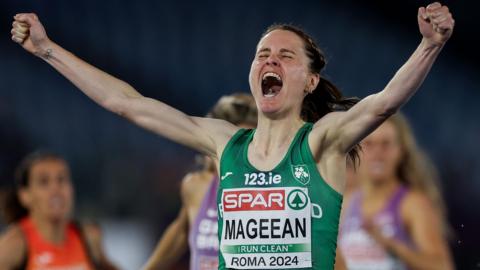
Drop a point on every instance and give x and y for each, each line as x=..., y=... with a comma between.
x=266, y=228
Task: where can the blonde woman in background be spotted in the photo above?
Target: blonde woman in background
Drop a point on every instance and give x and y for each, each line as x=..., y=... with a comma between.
x=396, y=218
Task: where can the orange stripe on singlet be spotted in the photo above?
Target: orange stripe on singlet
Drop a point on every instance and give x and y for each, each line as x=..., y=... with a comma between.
x=42, y=255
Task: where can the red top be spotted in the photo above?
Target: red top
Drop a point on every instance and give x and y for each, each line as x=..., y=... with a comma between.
x=43, y=255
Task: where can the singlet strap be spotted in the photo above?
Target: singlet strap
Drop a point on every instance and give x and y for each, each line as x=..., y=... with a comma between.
x=355, y=204
x=397, y=198
x=234, y=145
x=207, y=198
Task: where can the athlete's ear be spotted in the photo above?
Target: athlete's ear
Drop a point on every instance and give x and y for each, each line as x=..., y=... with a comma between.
x=24, y=197
x=313, y=80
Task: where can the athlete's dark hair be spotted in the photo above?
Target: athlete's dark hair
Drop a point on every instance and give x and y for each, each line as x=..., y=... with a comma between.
x=14, y=210
x=326, y=97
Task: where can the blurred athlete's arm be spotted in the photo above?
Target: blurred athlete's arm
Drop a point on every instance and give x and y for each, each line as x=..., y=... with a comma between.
x=12, y=249
x=172, y=245
x=174, y=241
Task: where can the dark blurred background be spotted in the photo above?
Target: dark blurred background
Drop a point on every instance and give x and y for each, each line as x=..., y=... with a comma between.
x=188, y=54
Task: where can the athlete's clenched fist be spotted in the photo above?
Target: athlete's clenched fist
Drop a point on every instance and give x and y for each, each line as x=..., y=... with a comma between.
x=436, y=23
x=28, y=31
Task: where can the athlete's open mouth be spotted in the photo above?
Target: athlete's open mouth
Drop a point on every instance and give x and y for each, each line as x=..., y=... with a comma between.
x=271, y=84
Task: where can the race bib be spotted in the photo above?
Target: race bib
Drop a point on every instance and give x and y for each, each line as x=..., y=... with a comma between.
x=266, y=228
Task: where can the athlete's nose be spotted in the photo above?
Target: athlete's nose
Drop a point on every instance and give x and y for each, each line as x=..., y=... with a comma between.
x=272, y=60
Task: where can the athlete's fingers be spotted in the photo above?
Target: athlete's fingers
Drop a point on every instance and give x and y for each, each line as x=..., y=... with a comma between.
x=21, y=27
x=442, y=18
x=28, y=18
x=442, y=12
x=17, y=39
x=446, y=25
x=19, y=34
x=433, y=6
x=422, y=12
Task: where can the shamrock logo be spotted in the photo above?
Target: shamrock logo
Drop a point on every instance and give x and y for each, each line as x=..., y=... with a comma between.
x=301, y=173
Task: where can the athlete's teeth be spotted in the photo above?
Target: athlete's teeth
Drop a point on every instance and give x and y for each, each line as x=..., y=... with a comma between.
x=271, y=74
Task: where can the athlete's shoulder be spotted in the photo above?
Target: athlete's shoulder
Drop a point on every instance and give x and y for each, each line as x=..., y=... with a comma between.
x=197, y=177
x=328, y=119
x=220, y=130
x=12, y=247
x=323, y=133
x=413, y=198
x=194, y=182
x=415, y=204
x=13, y=235
x=92, y=232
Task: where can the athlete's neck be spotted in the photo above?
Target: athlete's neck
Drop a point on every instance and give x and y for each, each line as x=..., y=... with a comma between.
x=273, y=138
x=52, y=231
x=381, y=190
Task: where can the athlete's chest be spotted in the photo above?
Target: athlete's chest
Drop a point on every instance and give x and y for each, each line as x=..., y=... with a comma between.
x=70, y=256
x=289, y=174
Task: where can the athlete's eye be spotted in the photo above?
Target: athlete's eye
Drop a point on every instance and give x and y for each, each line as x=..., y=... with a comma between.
x=42, y=181
x=62, y=179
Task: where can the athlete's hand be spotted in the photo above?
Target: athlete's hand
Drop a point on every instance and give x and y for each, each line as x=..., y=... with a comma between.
x=374, y=231
x=28, y=31
x=436, y=23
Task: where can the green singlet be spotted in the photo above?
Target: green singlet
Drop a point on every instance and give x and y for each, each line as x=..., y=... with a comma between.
x=286, y=218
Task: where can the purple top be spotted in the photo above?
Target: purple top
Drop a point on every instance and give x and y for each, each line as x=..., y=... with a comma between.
x=203, y=236
x=360, y=251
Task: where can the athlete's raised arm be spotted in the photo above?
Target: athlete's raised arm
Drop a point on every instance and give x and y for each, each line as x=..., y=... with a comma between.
x=348, y=128
x=202, y=134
